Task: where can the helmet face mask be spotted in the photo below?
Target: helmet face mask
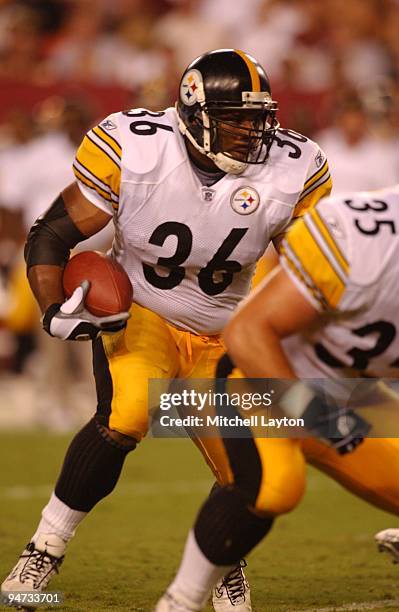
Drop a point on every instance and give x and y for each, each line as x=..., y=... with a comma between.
x=242, y=135
x=226, y=111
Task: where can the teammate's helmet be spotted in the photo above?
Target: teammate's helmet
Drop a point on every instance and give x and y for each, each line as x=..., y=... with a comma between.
x=225, y=109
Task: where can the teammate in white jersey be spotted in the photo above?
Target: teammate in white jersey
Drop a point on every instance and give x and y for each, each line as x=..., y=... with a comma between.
x=196, y=193
x=330, y=310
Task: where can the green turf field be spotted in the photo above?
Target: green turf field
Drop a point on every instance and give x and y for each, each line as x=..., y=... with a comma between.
x=322, y=556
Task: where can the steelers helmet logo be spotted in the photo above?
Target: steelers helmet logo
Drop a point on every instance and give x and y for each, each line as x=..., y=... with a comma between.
x=245, y=200
x=192, y=88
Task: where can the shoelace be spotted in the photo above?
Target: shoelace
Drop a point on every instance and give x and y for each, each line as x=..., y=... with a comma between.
x=234, y=584
x=38, y=566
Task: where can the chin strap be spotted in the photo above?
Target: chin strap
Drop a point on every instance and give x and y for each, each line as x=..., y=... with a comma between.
x=227, y=164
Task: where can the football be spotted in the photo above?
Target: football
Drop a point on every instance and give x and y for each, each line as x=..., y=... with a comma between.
x=110, y=290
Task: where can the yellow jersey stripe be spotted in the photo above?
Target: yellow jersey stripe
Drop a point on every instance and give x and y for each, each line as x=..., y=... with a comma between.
x=324, y=231
x=288, y=259
x=102, y=134
x=323, y=246
x=252, y=70
x=90, y=184
x=97, y=166
x=316, y=176
x=312, y=179
x=88, y=174
x=315, y=263
x=97, y=146
x=309, y=200
x=323, y=179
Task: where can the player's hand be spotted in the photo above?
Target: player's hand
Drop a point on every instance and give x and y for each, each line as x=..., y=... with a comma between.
x=344, y=430
x=71, y=320
x=341, y=428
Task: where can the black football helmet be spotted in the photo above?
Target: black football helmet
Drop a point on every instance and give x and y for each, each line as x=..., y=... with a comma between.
x=225, y=109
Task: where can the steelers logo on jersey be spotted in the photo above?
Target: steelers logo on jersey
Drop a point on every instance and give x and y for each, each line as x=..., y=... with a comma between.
x=245, y=200
x=191, y=88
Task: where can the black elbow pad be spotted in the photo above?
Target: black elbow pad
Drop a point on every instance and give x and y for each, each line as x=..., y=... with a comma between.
x=51, y=237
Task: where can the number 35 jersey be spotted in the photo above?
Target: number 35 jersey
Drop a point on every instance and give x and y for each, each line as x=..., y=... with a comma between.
x=343, y=255
x=190, y=250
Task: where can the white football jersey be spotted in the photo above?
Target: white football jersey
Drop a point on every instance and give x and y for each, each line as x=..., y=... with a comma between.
x=344, y=257
x=190, y=250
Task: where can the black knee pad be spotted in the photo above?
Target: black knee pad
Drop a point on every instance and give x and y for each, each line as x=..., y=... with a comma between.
x=226, y=529
x=91, y=468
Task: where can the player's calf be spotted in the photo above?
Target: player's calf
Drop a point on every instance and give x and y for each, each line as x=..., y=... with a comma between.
x=232, y=591
x=92, y=466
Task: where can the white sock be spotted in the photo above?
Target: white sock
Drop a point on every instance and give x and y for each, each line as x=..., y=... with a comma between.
x=196, y=575
x=58, y=518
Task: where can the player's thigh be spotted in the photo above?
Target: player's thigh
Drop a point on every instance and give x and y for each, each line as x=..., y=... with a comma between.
x=282, y=470
x=269, y=473
x=371, y=471
x=123, y=363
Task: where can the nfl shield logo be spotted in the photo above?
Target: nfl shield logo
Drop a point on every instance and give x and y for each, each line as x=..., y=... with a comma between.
x=208, y=194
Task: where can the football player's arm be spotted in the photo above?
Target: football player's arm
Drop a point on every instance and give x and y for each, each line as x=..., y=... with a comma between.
x=71, y=219
x=82, y=210
x=275, y=310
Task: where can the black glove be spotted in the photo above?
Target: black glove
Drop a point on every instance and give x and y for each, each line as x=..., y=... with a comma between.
x=71, y=320
x=342, y=429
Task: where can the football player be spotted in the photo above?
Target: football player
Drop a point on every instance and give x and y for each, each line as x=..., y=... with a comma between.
x=196, y=193
x=330, y=310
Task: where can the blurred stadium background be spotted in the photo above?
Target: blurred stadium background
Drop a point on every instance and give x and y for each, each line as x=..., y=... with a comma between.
x=65, y=64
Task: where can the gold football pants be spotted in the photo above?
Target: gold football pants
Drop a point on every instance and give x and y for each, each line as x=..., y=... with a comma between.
x=151, y=348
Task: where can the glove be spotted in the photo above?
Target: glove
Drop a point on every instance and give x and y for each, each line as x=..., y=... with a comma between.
x=342, y=429
x=71, y=320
